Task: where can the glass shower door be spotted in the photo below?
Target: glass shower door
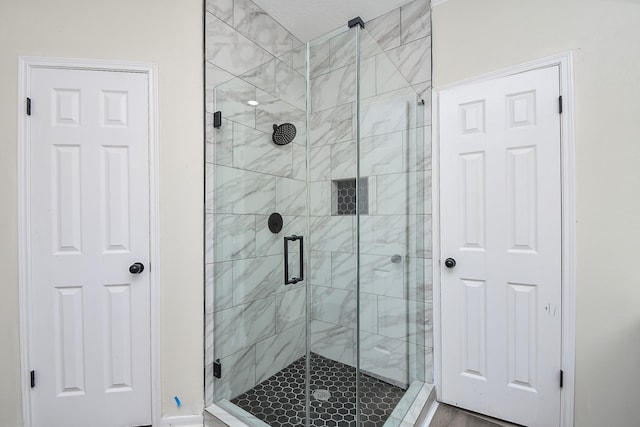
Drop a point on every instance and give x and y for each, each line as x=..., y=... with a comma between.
x=257, y=173
x=390, y=239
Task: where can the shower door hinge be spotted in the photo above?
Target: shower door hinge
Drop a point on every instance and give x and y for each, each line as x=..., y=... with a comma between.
x=32, y=377
x=560, y=104
x=561, y=378
x=217, y=119
x=217, y=369
x=28, y=106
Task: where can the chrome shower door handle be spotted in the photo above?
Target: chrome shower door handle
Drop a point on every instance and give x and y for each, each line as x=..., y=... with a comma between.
x=300, y=278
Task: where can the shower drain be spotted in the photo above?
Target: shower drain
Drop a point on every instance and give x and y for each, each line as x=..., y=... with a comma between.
x=321, y=394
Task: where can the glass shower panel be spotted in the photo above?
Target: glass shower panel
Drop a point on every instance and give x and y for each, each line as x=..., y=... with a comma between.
x=390, y=233
x=332, y=220
x=259, y=198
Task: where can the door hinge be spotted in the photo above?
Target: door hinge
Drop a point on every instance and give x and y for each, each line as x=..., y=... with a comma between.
x=217, y=369
x=28, y=106
x=561, y=378
x=217, y=119
x=560, y=104
x=32, y=376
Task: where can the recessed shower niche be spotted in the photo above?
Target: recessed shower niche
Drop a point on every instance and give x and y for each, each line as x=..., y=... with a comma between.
x=349, y=343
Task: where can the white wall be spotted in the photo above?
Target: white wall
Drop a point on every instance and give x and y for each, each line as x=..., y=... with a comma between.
x=471, y=38
x=168, y=33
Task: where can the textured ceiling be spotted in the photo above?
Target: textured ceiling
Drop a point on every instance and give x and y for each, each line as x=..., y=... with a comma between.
x=308, y=19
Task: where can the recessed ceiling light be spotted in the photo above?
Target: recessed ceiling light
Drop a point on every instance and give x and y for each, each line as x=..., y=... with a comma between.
x=253, y=102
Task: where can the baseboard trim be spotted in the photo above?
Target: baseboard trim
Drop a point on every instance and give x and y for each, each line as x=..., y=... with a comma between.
x=183, y=421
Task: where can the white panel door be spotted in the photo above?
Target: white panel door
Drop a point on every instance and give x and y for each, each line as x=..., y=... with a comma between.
x=501, y=223
x=89, y=222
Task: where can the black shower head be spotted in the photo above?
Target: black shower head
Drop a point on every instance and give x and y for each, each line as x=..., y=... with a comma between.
x=283, y=134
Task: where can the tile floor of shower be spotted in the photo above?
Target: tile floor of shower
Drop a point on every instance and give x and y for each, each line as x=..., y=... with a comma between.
x=280, y=400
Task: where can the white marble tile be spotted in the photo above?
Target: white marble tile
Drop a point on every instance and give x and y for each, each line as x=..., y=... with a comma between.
x=381, y=154
x=290, y=196
x=320, y=271
x=369, y=47
x=222, y=278
x=417, y=149
x=263, y=76
x=209, y=139
x=257, y=278
x=229, y=49
x=231, y=99
x=380, y=276
x=319, y=58
x=299, y=59
x=208, y=288
x=209, y=238
x=333, y=305
x=235, y=237
x=215, y=76
x=291, y=308
x=333, y=341
x=299, y=162
x=208, y=387
x=388, y=77
x=320, y=163
x=223, y=9
x=209, y=187
x=343, y=271
x=368, y=79
x=244, y=192
x=343, y=50
x=384, y=357
x=389, y=112
x=244, y=325
x=422, y=247
x=255, y=151
x=239, y=374
x=368, y=312
x=279, y=351
x=334, y=234
x=291, y=86
x=223, y=139
x=331, y=126
x=393, y=317
x=383, y=234
x=320, y=198
x=252, y=21
x=208, y=339
x=413, y=60
x=393, y=197
x=343, y=160
x=415, y=20
x=385, y=29
x=333, y=89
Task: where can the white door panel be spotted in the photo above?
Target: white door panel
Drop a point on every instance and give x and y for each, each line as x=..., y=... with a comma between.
x=89, y=221
x=501, y=222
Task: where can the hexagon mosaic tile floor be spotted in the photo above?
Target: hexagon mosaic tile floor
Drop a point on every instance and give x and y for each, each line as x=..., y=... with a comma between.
x=279, y=400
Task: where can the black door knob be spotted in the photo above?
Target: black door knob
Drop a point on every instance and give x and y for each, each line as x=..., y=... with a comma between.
x=136, y=268
x=450, y=262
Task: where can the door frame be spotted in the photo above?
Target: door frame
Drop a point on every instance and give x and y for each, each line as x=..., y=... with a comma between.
x=564, y=62
x=26, y=64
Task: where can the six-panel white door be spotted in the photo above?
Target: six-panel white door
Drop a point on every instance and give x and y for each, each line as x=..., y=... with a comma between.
x=89, y=221
x=501, y=223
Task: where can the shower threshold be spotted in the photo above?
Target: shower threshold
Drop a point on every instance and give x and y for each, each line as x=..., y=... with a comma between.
x=280, y=400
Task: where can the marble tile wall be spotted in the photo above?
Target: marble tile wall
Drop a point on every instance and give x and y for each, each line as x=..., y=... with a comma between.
x=395, y=297
x=259, y=323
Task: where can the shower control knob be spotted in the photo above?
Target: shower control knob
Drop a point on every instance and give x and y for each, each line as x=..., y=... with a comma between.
x=450, y=262
x=136, y=268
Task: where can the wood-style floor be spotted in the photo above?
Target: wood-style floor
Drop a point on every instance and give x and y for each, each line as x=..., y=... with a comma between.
x=450, y=416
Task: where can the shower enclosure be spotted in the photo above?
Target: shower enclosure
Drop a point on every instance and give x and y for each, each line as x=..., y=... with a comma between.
x=317, y=263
